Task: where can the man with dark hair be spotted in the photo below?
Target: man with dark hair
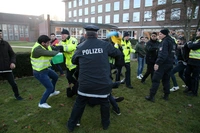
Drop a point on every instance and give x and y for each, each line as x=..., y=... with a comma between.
x=163, y=65
x=92, y=57
x=41, y=54
x=7, y=64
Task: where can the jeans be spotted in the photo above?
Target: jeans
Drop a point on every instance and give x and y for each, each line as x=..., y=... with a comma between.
x=180, y=68
x=150, y=70
x=79, y=107
x=141, y=62
x=10, y=78
x=44, y=77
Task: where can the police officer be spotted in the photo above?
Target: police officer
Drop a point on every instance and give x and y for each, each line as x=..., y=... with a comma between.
x=193, y=66
x=94, y=75
x=163, y=65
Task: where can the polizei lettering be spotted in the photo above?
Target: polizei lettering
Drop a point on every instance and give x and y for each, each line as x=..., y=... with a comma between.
x=92, y=51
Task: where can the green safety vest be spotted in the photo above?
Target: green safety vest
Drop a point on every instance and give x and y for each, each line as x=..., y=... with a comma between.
x=42, y=62
x=126, y=51
x=69, y=48
x=195, y=54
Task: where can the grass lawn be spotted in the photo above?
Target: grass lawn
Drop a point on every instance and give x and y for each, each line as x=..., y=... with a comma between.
x=181, y=114
x=21, y=43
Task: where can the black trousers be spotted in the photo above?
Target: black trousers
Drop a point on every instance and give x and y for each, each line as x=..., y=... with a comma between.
x=79, y=107
x=10, y=78
x=150, y=70
x=163, y=73
x=192, y=78
x=70, y=76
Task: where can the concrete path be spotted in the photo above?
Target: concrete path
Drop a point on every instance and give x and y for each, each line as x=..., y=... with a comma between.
x=21, y=46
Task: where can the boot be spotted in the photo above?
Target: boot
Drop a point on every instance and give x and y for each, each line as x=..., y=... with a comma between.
x=150, y=98
x=166, y=97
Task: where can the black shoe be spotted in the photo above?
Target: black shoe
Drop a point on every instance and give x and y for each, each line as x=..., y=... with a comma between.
x=191, y=94
x=186, y=90
x=142, y=81
x=166, y=97
x=69, y=129
x=105, y=127
x=19, y=98
x=117, y=111
x=129, y=86
x=149, y=98
x=116, y=84
x=119, y=99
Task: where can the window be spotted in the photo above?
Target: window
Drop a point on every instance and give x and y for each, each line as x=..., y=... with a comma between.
x=99, y=0
x=21, y=31
x=107, y=7
x=175, y=13
x=80, y=20
x=75, y=13
x=126, y=4
x=16, y=32
x=107, y=19
x=26, y=31
x=148, y=3
x=86, y=20
x=125, y=17
x=70, y=14
x=116, y=18
x=136, y=16
x=80, y=2
x=100, y=19
x=176, y=1
x=80, y=12
x=147, y=15
x=69, y=4
x=86, y=11
x=92, y=1
x=10, y=32
x=92, y=19
x=136, y=3
x=189, y=12
x=74, y=3
x=92, y=10
x=75, y=20
x=99, y=8
x=160, y=15
x=116, y=6
x=162, y=2
x=86, y=2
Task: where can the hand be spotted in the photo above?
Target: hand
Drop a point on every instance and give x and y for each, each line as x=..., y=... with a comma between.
x=12, y=66
x=156, y=67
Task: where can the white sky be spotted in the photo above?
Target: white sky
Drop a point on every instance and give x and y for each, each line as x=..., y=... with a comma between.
x=33, y=7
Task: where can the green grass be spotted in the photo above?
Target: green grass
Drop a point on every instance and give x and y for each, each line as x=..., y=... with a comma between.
x=137, y=114
x=21, y=43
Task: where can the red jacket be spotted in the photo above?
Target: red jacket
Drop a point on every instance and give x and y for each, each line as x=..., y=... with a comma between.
x=54, y=42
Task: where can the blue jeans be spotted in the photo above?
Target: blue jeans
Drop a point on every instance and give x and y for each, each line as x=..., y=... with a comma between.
x=180, y=68
x=140, y=65
x=44, y=77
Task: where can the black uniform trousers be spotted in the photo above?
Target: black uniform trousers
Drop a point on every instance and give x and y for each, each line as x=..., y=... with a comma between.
x=10, y=78
x=150, y=70
x=79, y=107
x=70, y=76
x=163, y=73
x=192, y=78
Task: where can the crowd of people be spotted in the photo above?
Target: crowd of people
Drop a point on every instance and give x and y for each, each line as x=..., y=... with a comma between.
x=89, y=64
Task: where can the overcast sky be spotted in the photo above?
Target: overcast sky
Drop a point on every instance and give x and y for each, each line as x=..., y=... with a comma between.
x=33, y=7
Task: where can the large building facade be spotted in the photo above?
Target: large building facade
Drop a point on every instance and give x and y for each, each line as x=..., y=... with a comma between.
x=135, y=16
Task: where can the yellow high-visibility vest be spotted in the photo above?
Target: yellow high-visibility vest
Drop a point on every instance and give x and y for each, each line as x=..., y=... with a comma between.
x=42, y=62
x=127, y=49
x=195, y=54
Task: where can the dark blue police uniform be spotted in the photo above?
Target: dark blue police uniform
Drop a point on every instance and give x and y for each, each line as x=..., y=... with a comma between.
x=94, y=75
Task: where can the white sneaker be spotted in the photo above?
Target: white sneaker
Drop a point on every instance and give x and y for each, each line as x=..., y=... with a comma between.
x=54, y=93
x=44, y=105
x=141, y=75
x=174, y=88
x=138, y=77
x=184, y=86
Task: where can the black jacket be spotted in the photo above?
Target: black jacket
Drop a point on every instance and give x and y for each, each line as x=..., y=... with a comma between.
x=151, y=51
x=92, y=56
x=7, y=56
x=166, y=51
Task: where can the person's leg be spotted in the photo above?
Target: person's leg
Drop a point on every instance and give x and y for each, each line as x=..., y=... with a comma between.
x=70, y=76
x=45, y=81
x=59, y=69
x=188, y=78
x=105, y=112
x=142, y=65
x=139, y=66
x=173, y=71
x=166, y=83
x=148, y=71
x=54, y=78
x=10, y=78
x=119, y=70
x=195, y=80
x=128, y=74
x=77, y=112
x=182, y=71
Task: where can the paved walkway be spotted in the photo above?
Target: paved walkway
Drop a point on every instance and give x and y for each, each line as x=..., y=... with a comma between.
x=21, y=46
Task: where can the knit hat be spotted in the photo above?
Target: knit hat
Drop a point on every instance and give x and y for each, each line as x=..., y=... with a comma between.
x=126, y=34
x=165, y=31
x=65, y=31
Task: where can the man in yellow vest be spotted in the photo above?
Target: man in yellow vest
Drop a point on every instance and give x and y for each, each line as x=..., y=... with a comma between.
x=41, y=54
x=193, y=66
x=69, y=44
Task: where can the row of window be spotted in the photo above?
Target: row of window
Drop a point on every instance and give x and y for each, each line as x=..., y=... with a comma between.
x=126, y=3
x=175, y=15
x=14, y=32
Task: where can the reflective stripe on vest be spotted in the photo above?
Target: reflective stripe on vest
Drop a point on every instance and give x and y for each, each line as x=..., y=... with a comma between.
x=42, y=62
x=127, y=56
x=195, y=54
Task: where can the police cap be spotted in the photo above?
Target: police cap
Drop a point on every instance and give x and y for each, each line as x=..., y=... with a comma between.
x=91, y=28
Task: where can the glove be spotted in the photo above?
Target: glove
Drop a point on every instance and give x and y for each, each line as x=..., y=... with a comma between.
x=59, y=48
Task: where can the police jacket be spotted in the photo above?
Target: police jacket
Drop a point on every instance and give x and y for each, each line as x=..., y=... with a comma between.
x=92, y=57
x=194, y=54
x=7, y=56
x=151, y=51
x=166, y=51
